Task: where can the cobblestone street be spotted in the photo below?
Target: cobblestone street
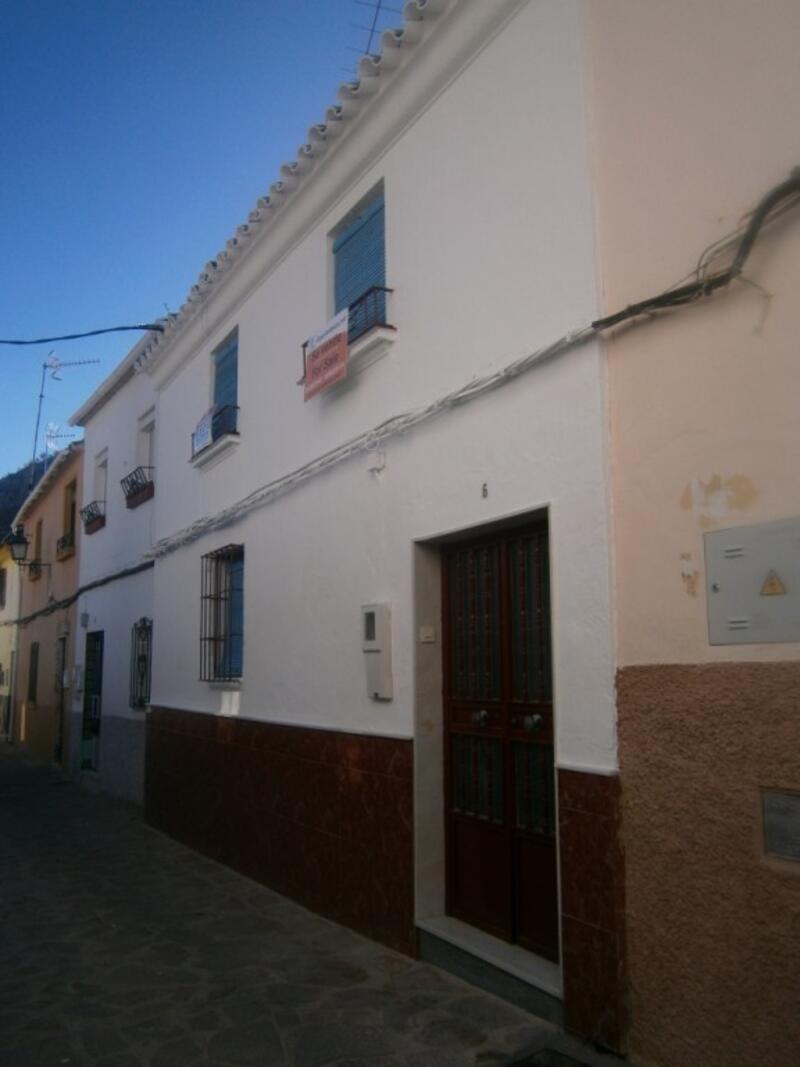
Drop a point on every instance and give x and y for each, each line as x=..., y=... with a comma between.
x=122, y=948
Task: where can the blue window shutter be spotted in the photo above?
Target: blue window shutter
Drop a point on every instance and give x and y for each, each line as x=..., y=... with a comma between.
x=359, y=264
x=226, y=366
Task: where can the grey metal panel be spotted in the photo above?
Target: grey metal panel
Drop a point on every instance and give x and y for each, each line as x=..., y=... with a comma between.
x=782, y=825
x=753, y=583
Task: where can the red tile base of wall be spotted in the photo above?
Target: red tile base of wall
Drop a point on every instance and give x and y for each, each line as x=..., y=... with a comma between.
x=592, y=907
x=320, y=816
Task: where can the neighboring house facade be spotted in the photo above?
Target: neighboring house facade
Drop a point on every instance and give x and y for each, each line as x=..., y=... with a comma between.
x=9, y=610
x=696, y=109
x=115, y=608
x=45, y=678
x=370, y=689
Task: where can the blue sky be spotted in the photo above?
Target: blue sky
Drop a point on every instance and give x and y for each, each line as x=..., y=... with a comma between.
x=136, y=136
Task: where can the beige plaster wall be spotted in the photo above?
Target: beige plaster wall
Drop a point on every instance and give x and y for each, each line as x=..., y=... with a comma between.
x=695, y=114
x=36, y=724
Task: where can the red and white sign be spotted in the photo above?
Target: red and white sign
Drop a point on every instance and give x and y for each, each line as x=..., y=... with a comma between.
x=326, y=356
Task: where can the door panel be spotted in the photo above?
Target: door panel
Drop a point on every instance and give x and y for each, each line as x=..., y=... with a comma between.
x=92, y=701
x=499, y=763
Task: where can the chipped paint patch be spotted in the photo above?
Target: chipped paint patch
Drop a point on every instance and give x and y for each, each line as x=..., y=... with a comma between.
x=689, y=573
x=718, y=498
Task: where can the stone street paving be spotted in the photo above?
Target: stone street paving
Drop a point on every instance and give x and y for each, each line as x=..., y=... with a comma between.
x=121, y=948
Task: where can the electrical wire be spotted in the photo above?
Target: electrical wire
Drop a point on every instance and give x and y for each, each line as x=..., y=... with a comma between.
x=60, y=605
x=768, y=207
x=158, y=327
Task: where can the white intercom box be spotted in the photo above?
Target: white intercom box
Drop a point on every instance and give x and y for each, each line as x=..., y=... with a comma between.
x=376, y=642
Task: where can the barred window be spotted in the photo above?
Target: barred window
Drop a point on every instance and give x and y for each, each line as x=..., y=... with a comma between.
x=222, y=614
x=141, y=649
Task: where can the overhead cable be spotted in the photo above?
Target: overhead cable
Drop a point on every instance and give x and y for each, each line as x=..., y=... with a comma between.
x=157, y=326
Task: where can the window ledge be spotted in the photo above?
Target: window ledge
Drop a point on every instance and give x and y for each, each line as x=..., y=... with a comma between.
x=370, y=347
x=65, y=553
x=229, y=684
x=216, y=451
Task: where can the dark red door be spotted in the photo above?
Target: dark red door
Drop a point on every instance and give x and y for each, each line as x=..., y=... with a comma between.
x=499, y=764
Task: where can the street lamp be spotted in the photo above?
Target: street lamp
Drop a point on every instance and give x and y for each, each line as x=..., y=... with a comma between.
x=18, y=543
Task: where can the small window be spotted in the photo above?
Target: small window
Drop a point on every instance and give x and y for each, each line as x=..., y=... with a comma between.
x=38, y=536
x=222, y=615
x=145, y=440
x=33, y=672
x=65, y=545
x=101, y=476
x=141, y=650
x=226, y=359
x=359, y=256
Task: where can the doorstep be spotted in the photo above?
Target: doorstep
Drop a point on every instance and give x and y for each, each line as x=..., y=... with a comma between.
x=511, y=973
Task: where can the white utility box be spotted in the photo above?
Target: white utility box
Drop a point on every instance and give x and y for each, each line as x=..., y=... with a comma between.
x=753, y=583
x=376, y=630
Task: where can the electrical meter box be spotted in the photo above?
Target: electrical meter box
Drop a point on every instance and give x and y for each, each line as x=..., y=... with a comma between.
x=376, y=631
x=753, y=583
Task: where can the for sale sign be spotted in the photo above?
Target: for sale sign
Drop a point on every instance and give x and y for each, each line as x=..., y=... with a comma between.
x=326, y=356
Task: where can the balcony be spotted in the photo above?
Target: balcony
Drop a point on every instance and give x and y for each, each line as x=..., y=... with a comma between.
x=35, y=570
x=368, y=313
x=216, y=433
x=65, y=546
x=93, y=516
x=138, y=486
x=369, y=335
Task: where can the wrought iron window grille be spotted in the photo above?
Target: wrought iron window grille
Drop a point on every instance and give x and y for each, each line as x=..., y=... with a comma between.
x=141, y=662
x=65, y=544
x=222, y=615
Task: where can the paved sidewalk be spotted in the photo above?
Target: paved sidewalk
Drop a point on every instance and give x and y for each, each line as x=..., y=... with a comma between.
x=121, y=948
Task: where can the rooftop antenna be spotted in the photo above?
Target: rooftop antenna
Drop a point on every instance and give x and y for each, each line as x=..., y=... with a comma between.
x=54, y=365
x=378, y=7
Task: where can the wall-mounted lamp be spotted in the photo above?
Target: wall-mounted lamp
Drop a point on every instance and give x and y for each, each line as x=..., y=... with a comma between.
x=18, y=543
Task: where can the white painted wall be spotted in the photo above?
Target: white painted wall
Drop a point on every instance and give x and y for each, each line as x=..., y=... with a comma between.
x=127, y=534
x=112, y=429
x=490, y=252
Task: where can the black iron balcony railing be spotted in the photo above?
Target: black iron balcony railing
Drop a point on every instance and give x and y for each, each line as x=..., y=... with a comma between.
x=366, y=313
x=138, y=486
x=35, y=569
x=93, y=516
x=65, y=545
x=224, y=421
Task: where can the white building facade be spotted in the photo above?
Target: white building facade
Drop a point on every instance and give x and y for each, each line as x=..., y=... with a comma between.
x=383, y=664
x=115, y=608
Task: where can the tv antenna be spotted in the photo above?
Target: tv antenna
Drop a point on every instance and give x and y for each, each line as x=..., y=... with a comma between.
x=378, y=8
x=54, y=365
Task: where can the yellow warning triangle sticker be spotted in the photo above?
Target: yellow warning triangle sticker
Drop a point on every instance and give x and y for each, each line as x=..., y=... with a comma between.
x=773, y=586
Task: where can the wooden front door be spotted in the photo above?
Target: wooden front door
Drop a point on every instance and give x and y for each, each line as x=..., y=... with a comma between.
x=499, y=764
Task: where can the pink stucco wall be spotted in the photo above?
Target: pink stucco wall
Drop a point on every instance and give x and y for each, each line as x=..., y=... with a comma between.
x=695, y=112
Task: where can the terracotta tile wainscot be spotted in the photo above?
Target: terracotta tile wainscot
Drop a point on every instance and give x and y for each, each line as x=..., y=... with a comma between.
x=320, y=816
